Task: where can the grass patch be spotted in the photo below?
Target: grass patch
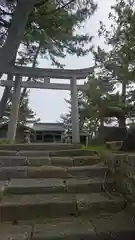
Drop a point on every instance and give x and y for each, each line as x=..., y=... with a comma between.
x=98, y=148
x=5, y=141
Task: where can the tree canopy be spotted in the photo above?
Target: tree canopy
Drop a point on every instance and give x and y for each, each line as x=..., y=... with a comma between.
x=48, y=29
x=115, y=67
x=43, y=28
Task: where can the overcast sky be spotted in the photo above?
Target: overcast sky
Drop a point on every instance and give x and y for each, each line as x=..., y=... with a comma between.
x=49, y=104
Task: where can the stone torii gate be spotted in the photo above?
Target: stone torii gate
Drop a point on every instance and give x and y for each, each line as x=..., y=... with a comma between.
x=46, y=74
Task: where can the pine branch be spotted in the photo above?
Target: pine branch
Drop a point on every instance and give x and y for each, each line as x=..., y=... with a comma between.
x=33, y=66
x=61, y=7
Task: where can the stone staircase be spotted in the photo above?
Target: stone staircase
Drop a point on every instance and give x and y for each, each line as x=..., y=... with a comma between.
x=56, y=191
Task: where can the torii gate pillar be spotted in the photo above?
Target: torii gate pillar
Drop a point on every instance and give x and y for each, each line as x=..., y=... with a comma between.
x=74, y=111
x=12, y=126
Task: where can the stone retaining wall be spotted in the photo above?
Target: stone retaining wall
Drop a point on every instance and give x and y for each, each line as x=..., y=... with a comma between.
x=122, y=166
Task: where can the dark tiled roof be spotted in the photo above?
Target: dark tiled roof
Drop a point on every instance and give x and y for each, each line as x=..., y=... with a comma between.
x=49, y=127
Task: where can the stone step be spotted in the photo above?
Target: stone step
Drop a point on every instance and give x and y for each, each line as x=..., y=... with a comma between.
x=39, y=153
x=73, y=152
x=87, y=171
x=117, y=226
x=90, y=185
x=39, y=146
x=56, y=161
x=26, y=207
x=67, y=229
x=75, y=160
x=55, y=185
x=7, y=173
x=15, y=232
x=110, y=227
x=33, y=153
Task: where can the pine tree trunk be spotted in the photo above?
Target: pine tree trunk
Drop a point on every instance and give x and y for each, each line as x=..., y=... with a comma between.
x=122, y=122
x=15, y=35
x=101, y=129
x=7, y=92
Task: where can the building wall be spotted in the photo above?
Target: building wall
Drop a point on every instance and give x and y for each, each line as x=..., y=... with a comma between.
x=45, y=136
x=3, y=133
x=48, y=136
x=83, y=139
x=20, y=135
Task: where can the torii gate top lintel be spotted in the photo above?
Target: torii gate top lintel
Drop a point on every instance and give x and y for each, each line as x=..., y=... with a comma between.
x=48, y=72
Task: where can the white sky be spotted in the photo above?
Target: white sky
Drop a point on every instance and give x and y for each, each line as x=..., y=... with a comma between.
x=49, y=104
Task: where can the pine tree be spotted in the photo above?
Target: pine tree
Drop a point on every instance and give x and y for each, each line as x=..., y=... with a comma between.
x=122, y=53
x=26, y=115
x=51, y=24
